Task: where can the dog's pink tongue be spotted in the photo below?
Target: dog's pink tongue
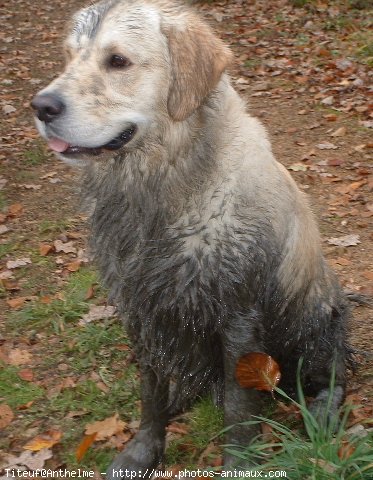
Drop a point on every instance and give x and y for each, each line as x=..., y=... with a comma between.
x=58, y=145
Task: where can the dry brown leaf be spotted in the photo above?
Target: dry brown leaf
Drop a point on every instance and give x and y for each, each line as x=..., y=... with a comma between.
x=25, y=406
x=26, y=374
x=45, y=249
x=368, y=275
x=340, y=132
x=10, y=285
x=17, y=356
x=6, y=415
x=97, y=312
x=17, y=302
x=84, y=446
x=67, y=247
x=177, y=427
x=20, y=262
x=44, y=440
x=90, y=292
x=258, y=370
x=106, y=428
x=345, y=450
x=15, y=209
x=33, y=461
x=343, y=261
x=73, y=266
x=345, y=241
x=326, y=146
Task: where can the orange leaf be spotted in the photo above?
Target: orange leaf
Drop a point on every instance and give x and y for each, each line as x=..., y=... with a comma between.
x=105, y=428
x=45, y=440
x=26, y=374
x=73, y=266
x=10, y=284
x=6, y=415
x=16, y=302
x=84, y=445
x=258, y=370
x=368, y=275
x=15, y=209
x=345, y=450
x=90, y=292
x=45, y=248
x=177, y=427
x=25, y=406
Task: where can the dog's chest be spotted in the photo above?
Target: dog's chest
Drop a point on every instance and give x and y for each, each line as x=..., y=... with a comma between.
x=146, y=260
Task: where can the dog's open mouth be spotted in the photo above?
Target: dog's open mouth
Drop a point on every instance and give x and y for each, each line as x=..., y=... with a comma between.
x=65, y=148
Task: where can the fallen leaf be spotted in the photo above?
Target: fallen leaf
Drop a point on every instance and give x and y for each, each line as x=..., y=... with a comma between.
x=10, y=284
x=25, y=406
x=257, y=370
x=368, y=275
x=334, y=162
x=15, y=209
x=345, y=241
x=7, y=109
x=45, y=248
x=6, y=415
x=44, y=440
x=343, y=261
x=33, y=461
x=325, y=465
x=17, y=356
x=67, y=247
x=326, y=146
x=18, y=302
x=177, y=427
x=328, y=100
x=105, y=428
x=345, y=450
x=84, y=445
x=298, y=167
x=340, y=132
x=73, y=266
x=20, y=262
x=26, y=374
x=97, y=312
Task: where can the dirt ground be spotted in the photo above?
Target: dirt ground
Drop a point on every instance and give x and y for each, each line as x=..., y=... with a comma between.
x=305, y=72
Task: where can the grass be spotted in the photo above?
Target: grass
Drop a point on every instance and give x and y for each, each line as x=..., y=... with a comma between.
x=54, y=226
x=316, y=453
x=94, y=356
x=13, y=390
x=58, y=313
x=5, y=248
x=3, y=202
x=205, y=423
x=36, y=155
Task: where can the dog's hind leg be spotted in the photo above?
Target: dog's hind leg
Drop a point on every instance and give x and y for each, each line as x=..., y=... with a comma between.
x=240, y=404
x=145, y=451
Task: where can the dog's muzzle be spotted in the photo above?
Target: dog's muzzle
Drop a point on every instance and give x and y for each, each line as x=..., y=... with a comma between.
x=48, y=107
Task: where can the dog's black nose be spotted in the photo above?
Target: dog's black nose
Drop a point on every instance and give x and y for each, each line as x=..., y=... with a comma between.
x=47, y=106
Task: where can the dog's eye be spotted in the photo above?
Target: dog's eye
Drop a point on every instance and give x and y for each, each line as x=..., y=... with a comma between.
x=117, y=61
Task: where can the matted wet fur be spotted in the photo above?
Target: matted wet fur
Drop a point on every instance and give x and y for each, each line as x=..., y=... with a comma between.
x=207, y=246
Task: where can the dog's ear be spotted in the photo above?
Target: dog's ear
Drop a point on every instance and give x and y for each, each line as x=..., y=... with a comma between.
x=198, y=58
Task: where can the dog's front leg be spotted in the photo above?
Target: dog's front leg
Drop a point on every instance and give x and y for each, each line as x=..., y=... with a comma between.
x=145, y=451
x=240, y=404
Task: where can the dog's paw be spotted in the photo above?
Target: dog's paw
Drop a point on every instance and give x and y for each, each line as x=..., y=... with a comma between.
x=325, y=407
x=139, y=459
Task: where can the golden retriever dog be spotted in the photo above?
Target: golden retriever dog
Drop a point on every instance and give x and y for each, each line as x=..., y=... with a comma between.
x=207, y=246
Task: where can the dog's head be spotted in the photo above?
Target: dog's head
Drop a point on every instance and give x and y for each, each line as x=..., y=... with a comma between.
x=130, y=64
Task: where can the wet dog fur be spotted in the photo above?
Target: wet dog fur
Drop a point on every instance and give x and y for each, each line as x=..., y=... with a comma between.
x=207, y=246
